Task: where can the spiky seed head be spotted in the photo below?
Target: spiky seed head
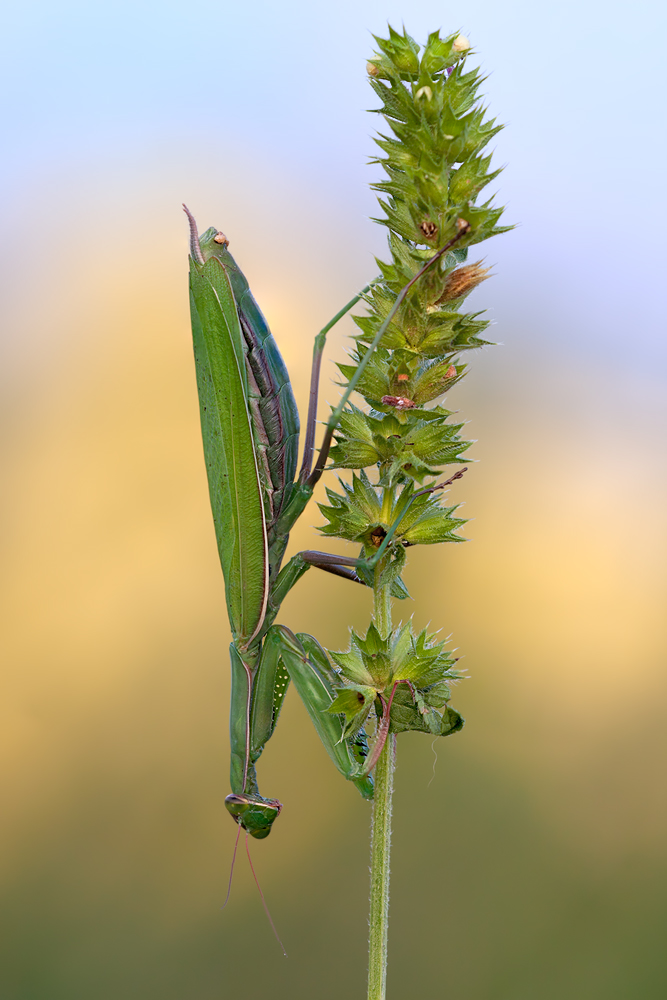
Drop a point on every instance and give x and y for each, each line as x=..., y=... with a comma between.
x=433, y=157
x=462, y=281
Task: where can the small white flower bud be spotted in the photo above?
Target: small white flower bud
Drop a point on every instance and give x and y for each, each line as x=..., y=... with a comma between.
x=460, y=44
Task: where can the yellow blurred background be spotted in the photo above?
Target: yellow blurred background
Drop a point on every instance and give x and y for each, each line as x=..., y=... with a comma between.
x=529, y=851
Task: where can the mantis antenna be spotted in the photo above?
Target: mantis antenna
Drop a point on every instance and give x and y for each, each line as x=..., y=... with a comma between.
x=231, y=870
x=266, y=909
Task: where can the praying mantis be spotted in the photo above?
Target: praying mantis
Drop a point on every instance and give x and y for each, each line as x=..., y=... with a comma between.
x=250, y=428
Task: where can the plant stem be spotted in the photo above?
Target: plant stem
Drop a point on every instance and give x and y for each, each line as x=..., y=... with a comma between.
x=380, y=848
x=381, y=830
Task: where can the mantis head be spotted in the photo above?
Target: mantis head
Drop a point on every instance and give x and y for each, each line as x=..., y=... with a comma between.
x=253, y=813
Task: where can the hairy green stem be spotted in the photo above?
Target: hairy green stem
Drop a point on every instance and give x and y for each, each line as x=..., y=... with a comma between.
x=380, y=849
x=378, y=919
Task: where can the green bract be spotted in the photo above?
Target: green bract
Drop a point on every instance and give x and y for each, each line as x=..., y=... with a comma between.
x=406, y=670
x=359, y=515
x=403, y=444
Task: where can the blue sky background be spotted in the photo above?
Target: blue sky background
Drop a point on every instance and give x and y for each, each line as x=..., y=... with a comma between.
x=134, y=95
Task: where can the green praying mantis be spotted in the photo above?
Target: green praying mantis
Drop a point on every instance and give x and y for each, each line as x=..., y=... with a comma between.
x=250, y=427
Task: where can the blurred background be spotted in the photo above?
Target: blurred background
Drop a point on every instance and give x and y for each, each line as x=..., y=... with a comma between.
x=529, y=851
